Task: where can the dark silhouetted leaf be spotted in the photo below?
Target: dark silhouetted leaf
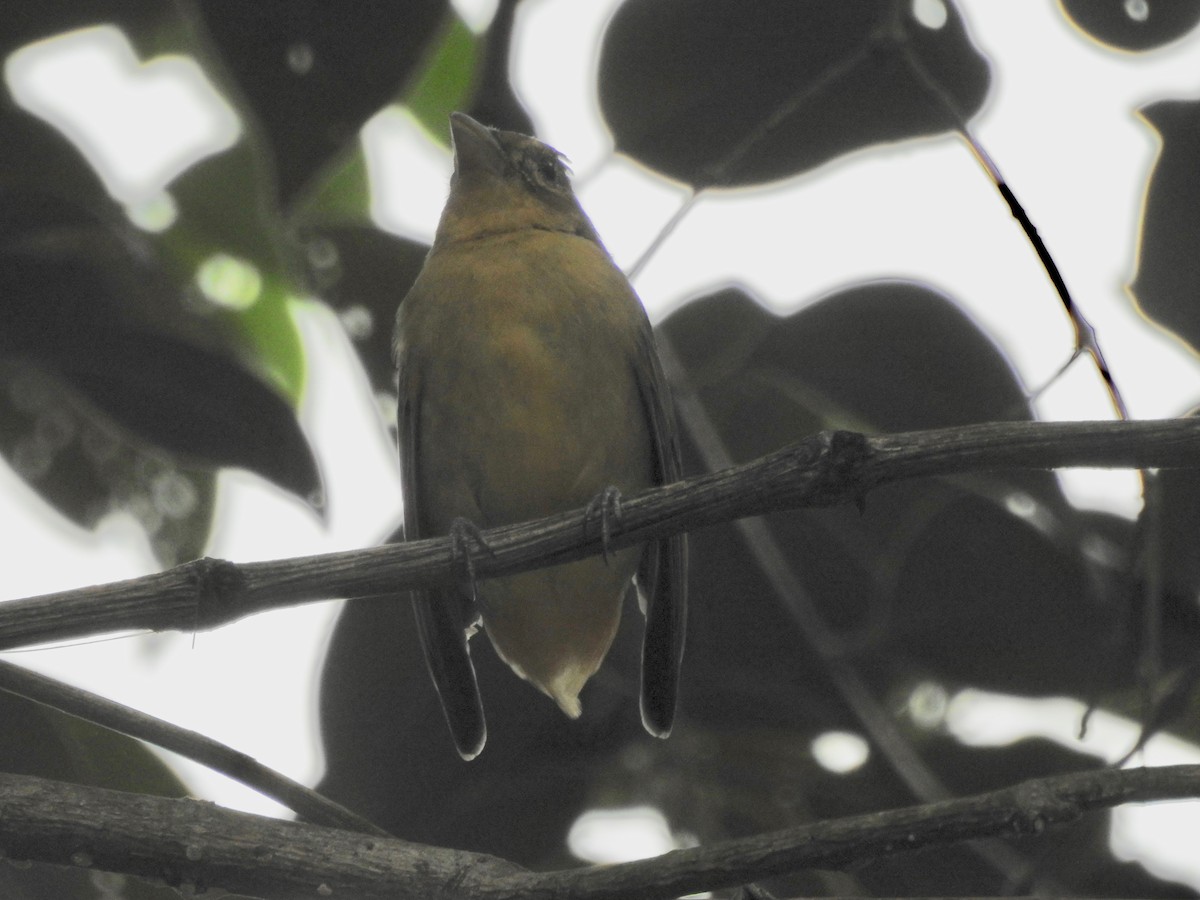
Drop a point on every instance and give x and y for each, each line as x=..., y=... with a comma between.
x=738, y=93
x=314, y=72
x=494, y=103
x=390, y=757
x=23, y=880
x=1126, y=25
x=177, y=397
x=986, y=599
x=1178, y=509
x=363, y=273
x=109, y=321
x=885, y=357
x=117, y=395
x=38, y=21
x=86, y=466
x=1168, y=277
x=1168, y=561
x=470, y=73
x=38, y=740
x=33, y=151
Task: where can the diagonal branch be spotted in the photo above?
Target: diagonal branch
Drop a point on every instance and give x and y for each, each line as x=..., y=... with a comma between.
x=825, y=469
x=198, y=844
x=217, y=756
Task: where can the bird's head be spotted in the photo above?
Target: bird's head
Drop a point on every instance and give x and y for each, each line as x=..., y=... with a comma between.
x=504, y=181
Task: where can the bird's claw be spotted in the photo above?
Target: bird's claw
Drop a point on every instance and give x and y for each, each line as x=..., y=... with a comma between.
x=606, y=504
x=464, y=533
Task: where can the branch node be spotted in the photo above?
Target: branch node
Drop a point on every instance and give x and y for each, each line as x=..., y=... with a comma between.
x=845, y=453
x=218, y=587
x=1036, y=807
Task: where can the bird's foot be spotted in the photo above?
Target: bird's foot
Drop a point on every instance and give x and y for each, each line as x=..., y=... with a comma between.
x=607, y=505
x=464, y=533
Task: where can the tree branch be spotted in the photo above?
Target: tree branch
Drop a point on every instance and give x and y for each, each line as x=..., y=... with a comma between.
x=189, y=842
x=823, y=470
x=204, y=750
x=198, y=844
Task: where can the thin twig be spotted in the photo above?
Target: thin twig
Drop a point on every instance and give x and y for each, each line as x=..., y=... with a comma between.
x=1086, y=340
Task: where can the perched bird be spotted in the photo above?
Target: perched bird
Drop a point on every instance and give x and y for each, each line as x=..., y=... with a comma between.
x=529, y=385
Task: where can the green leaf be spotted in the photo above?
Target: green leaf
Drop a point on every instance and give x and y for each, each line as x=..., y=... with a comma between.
x=312, y=72
x=446, y=83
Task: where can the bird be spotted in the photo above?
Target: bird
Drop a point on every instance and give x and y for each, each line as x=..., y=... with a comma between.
x=529, y=384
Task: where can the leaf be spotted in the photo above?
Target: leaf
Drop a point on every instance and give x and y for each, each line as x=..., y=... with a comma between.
x=38, y=740
x=314, y=72
x=226, y=220
x=1139, y=25
x=1168, y=275
x=86, y=466
x=445, y=84
x=495, y=103
x=984, y=598
x=912, y=580
x=25, y=880
x=343, y=197
x=45, y=20
x=364, y=273
x=115, y=394
x=34, y=155
x=389, y=755
x=177, y=397
x=740, y=94
x=1177, y=506
x=223, y=209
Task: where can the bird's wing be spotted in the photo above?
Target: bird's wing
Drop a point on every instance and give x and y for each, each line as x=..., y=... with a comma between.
x=662, y=574
x=440, y=614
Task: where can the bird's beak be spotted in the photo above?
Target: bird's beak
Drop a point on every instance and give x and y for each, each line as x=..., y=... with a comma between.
x=475, y=147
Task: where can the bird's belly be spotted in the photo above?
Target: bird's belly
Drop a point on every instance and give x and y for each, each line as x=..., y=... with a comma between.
x=550, y=426
x=525, y=427
x=554, y=626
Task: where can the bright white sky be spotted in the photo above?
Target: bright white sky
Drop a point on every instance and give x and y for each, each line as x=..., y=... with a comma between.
x=1059, y=123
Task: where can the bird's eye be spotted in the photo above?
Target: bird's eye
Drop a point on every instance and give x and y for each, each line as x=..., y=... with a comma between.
x=550, y=172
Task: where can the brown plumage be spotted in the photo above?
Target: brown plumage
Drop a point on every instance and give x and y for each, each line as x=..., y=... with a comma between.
x=529, y=383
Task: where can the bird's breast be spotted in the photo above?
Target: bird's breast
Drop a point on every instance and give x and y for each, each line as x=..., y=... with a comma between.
x=529, y=401
x=518, y=359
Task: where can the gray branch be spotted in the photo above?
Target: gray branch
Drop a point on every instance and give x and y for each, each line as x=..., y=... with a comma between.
x=823, y=470
x=186, y=842
x=217, y=756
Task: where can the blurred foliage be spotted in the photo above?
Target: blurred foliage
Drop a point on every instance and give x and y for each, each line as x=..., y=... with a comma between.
x=123, y=386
